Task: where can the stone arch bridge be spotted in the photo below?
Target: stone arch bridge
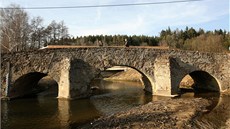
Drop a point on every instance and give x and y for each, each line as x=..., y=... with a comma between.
x=73, y=69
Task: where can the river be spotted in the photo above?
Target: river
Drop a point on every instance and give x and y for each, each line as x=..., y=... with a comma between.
x=49, y=112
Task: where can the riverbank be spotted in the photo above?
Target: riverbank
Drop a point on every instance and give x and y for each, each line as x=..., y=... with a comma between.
x=128, y=75
x=171, y=113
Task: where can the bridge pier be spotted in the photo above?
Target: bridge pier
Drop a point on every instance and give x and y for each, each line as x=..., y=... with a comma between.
x=75, y=78
x=64, y=82
x=162, y=77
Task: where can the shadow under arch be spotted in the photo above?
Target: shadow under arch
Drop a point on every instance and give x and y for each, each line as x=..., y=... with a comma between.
x=27, y=85
x=203, y=82
x=144, y=78
x=48, y=86
x=202, y=85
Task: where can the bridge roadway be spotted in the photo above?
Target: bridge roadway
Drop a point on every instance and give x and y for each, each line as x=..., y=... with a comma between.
x=74, y=68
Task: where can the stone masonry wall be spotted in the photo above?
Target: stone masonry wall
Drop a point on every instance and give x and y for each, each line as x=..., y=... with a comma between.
x=185, y=62
x=164, y=69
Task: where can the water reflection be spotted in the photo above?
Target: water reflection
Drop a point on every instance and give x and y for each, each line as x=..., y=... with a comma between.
x=27, y=113
x=119, y=96
x=81, y=111
x=76, y=112
x=213, y=97
x=4, y=113
x=64, y=113
x=218, y=112
x=110, y=97
x=219, y=115
x=49, y=113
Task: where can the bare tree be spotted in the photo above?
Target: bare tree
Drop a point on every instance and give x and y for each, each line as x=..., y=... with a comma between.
x=57, y=31
x=63, y=31
x=14, y=28
x=38, y=32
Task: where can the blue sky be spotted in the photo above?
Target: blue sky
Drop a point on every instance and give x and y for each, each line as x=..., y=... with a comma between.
x=130, y=20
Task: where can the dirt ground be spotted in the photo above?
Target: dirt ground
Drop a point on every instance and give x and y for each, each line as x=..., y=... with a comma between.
x=169, y=114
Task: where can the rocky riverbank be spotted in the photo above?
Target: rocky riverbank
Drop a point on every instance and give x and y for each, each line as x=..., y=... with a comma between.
x=171, y=113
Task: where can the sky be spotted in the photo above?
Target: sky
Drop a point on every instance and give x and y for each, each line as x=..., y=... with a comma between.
x=130, y=20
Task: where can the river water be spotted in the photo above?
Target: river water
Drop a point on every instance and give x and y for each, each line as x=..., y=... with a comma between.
x=51, y=113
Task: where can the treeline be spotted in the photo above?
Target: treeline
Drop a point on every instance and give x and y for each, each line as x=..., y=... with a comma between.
x=109, y=40
x=19, y=33
x=191, y=39
x=187, y=39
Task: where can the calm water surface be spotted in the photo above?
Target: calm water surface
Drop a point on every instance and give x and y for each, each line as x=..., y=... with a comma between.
x=51, y=113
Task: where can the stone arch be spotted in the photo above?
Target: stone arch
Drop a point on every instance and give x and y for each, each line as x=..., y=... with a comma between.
x=79, y=73
x=144, y=78
x=49, y=85
x=27, y=84
x=203, y=81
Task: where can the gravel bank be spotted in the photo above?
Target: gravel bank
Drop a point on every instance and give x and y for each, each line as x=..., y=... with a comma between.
x=171, y=113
